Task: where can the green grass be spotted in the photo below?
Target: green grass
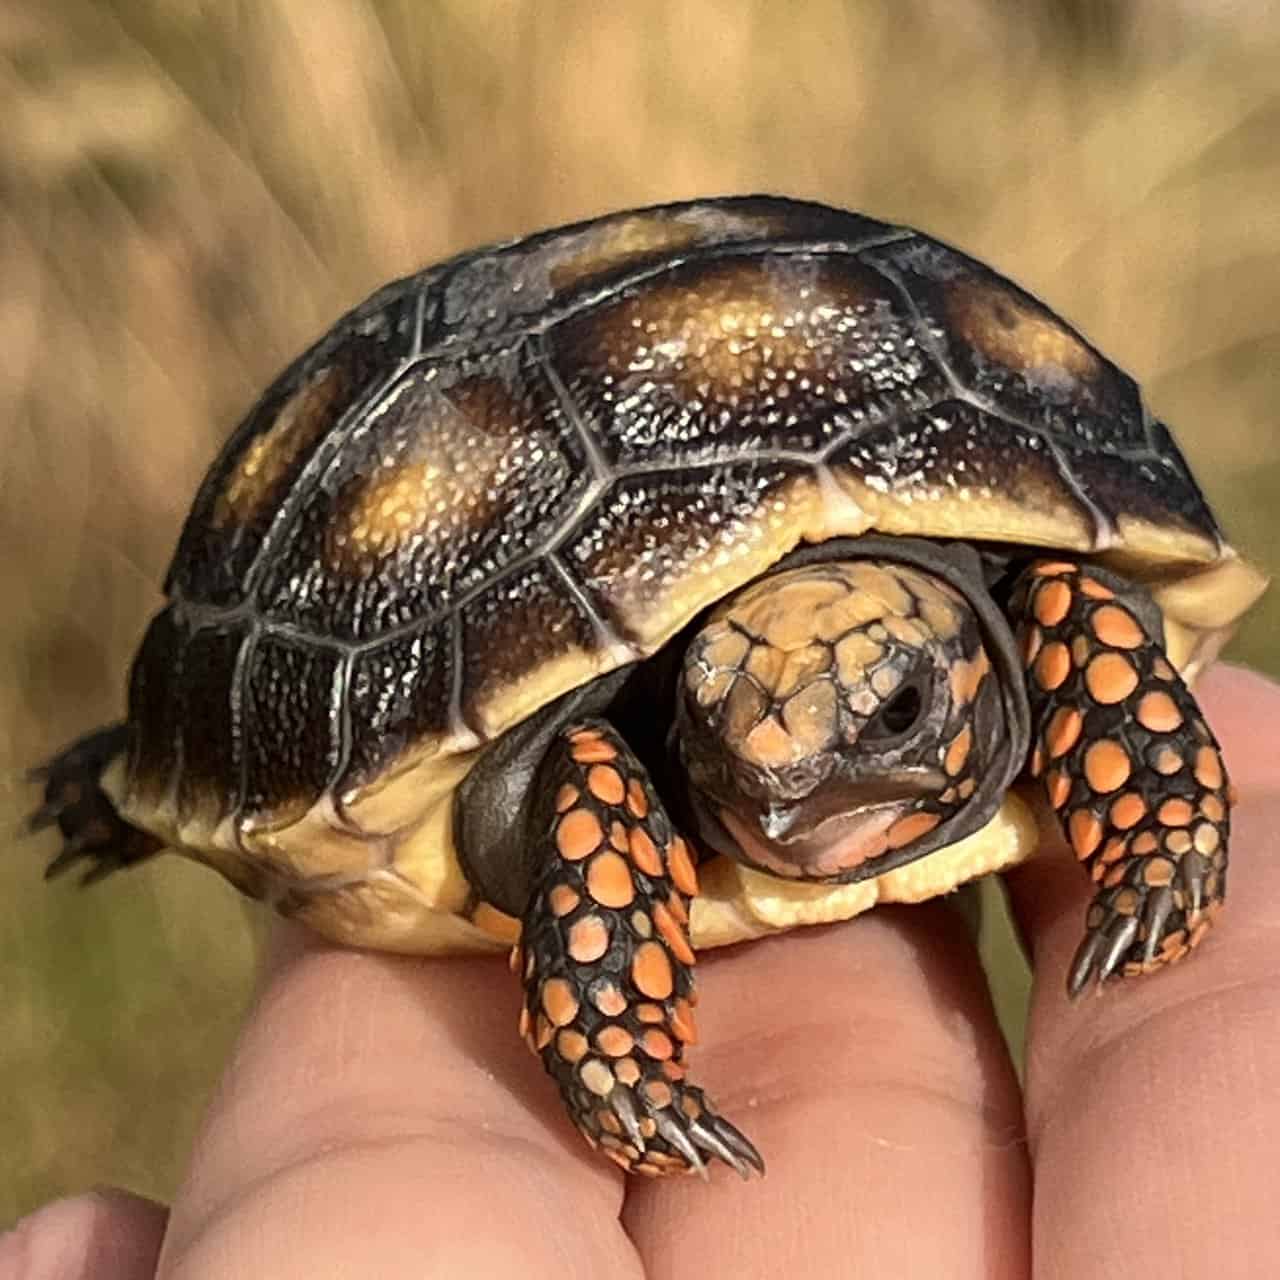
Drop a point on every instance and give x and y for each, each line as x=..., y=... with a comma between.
x=188, y=193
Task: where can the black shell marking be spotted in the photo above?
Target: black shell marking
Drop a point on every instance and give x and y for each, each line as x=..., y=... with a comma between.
x=519, y=455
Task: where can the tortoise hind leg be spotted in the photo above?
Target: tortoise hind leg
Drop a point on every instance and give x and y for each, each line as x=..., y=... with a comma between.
x=1129, y=764
x=607, y=966
x=92, y=829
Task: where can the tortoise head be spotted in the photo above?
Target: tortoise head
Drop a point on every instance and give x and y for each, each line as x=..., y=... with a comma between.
x=845, y=717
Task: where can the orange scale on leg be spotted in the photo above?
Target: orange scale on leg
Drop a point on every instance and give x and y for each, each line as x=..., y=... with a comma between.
x=1052, y=603
x=609, y=880
x=567, y=797
x=681, y=867
x=608, y=998
x=1085, y=831
x=657, y=1044
x=1110, y=678
x=588, y=939
x=647, y=1012
x=605, y=783
x=673, y=935
x=683, y=1023
x=1063, y=732
x=1052, y=568
x=651, y=970
x=578, y=834
x=644, y=853
x=595, y=752
x=1094, y=589
x=637, y=801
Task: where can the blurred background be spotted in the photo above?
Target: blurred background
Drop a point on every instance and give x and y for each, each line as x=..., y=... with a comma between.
x=192, y=190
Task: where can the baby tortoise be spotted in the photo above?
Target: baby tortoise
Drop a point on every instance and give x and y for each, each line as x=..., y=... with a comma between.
x=668, y=580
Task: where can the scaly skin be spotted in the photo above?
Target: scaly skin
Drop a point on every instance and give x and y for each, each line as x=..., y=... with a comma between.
x=1129, y=765
x=607, y=965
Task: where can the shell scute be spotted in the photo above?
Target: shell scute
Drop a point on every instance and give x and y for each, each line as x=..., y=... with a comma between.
x=749, y=353
x=264, y=461
x=462, y=469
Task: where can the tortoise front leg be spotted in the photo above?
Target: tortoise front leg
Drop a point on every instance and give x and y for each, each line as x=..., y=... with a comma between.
x=1129, y=765
x=607, y=965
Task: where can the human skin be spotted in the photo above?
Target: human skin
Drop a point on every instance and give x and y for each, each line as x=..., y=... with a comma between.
x=380, y=1116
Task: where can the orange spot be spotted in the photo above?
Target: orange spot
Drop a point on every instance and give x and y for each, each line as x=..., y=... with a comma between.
x=657, y=1044
x=644, y=853
x=657, y=1093
x=650, y=1013
x=578, y=834
x=673, y=1070
x=558, y=1002
x=609, y=880
x=683, y=1022
x=588, y=939
x=526, y=1021
x=912, y=827
x=571, y=1045
x=1177, y=841
x=637, y=801
x=673, y=935
x=597, y=1077
x=675, y=904
x=567, y=797
x=1116, y=627
x=967, y=677
x=629, y=1073
x=1127, y=811
x=1208, y=768
x=1213, y=808
x=1159, y=713
x=1063, y=731
x=1175, y=813
x=1146, y=842
x=595, y=752
x=1052, y=602
x=680, y=865
x=1106, y=766
x=563, y=899
x=1092, y=588
x=1158, y=871
x=1051, y=568
x=609, y=999
x=1058, y=785
x=1037, y=761
x=544, y=1032
x=1110, y=678
x=1167, y=761
x=1113, y=849
x=958, y=751
x=605, y=783
x=615, y=1041
x=651, y=971
x=585, y=735
x=618, y=836
x=1085, y=831
x=1053, y=665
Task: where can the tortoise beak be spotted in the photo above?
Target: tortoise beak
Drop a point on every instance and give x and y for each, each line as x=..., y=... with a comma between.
x=835, y=803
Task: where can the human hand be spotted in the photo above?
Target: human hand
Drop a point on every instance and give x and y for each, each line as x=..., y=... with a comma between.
x=382, y=1118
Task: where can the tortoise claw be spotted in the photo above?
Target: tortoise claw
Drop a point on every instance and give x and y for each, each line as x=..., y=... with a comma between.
x=1155, y=917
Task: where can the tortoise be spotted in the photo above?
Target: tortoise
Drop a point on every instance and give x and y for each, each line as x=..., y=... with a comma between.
x=668, y=580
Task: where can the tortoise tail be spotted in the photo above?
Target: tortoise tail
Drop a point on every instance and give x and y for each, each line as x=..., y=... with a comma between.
x=92, y=830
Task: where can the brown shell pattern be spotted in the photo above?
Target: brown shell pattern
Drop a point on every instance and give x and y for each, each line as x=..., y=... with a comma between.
x=550, y=454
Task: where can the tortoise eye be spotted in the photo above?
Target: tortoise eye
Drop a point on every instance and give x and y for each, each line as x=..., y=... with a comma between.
x=898, y=716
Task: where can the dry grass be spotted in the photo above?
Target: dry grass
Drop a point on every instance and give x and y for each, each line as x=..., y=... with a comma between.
x=190, y=191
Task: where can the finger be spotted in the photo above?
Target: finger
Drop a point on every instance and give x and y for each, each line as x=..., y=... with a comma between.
x=381, y=1117
x=865, y=1063
x=1152, y=1111
x=102, y=1235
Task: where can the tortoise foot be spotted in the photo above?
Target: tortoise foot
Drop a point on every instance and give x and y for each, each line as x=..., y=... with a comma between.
x=1130, y=766
x=92, y=830
x=1135, y=927
x=607, y=965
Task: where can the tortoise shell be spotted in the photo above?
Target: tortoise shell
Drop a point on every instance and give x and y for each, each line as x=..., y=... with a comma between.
x=513, y=472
